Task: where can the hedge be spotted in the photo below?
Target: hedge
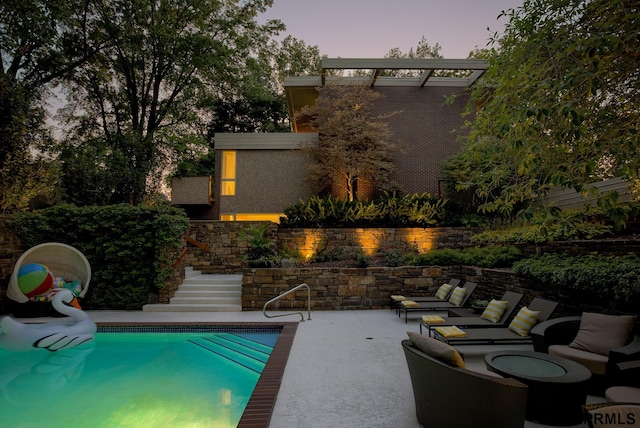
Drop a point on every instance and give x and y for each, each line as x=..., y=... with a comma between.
x=130, y=248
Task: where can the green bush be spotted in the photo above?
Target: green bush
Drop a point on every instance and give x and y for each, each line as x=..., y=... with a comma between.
x=543, y=224
x=489, y=257
x=599, y=278
x=130, y=248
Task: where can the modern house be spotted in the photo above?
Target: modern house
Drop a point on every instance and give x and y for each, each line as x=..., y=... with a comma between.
x=259, y=174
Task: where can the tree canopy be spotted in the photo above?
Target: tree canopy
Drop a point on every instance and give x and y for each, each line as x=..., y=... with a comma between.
x=146, y=84
x=138, y=105
x=41, y=42
x=559, y=106
x=354, y=143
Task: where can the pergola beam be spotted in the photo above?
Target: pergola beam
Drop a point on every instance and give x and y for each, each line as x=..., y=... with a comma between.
x=425, y=76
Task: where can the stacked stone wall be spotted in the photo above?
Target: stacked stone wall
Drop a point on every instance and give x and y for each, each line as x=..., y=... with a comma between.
x=371, y=288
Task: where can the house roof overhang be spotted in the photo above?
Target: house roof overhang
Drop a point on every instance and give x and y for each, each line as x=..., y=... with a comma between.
x=301, y=91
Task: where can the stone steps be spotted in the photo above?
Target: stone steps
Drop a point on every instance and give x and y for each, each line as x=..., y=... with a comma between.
x=204, y=293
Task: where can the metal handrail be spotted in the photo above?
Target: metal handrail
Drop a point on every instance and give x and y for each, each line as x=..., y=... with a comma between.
x=264, y=308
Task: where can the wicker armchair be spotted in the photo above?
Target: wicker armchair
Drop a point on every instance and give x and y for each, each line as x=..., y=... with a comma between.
x=452, y=397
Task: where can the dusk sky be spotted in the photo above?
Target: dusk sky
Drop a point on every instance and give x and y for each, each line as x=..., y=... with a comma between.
x=370, y=28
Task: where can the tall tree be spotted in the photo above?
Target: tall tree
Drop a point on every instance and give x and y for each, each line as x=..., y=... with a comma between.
x=147, y=99
x=256, y=102
x=41, y=42
x=354, y=143
x=559, y=106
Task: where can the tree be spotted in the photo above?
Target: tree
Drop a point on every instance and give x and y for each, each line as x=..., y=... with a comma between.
x=354, y=144
x=256, y=102
x=41, y=42
x=559, y=106
x=147, y=99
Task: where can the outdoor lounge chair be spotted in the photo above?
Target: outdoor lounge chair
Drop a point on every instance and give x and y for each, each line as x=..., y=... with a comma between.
x=600, y=331
x=396, y=299
x=497, y=336
x=453, y=397
x=511, y=297
x=437, y=306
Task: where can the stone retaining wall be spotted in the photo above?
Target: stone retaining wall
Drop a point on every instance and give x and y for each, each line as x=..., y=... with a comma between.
x=372, y=241
x=371, y=288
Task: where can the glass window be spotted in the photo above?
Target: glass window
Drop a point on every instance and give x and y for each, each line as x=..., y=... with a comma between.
x=228, y=179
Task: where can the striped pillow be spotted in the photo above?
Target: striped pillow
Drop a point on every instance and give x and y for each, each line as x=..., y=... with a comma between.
x=457, y=296
x=494, y=310
x=524, y=321
x=443, y=291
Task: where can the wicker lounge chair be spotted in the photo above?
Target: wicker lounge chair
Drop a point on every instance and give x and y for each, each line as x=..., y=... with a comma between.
x=511, y=297
x=452, y=397
x=625, y=385
x=497, y=336
x=554, y=337
x=396, y=299
x=439, y=305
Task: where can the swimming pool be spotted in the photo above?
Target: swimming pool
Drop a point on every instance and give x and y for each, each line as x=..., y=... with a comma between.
x=134, y=376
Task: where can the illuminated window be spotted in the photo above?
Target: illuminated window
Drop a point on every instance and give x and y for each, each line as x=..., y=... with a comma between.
x=228, y=179
x=259, y=217
x=227, y=217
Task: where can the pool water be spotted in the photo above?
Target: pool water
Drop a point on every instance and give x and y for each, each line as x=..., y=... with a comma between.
x=135, y=380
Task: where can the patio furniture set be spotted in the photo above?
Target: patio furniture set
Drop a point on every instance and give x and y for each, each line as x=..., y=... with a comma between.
x=572, y=357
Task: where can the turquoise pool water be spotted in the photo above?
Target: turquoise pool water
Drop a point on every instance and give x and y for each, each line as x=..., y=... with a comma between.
x=140, y=379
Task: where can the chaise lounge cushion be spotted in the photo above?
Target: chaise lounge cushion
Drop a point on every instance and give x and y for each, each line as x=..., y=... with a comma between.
x=600, y=333
x=436, y=349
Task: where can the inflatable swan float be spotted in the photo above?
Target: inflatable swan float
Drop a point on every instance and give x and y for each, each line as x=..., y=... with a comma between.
x=55, y=335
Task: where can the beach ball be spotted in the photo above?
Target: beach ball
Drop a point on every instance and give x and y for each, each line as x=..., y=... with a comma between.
x=34, y=279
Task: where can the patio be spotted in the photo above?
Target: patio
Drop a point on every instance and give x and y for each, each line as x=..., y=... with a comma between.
x=346, y=368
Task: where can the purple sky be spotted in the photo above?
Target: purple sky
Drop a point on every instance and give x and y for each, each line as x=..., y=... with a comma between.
x=370, y=28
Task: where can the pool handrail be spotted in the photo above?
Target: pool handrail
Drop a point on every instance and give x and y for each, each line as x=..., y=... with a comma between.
x=264, y=308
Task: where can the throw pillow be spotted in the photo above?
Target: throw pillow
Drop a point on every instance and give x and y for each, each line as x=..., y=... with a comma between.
x=436, y=349
x=494, y=310
x=443, y=291
x=524, y=321
x=457, y=296
x=600, y=333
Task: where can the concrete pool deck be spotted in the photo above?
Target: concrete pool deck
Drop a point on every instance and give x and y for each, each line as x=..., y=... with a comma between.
x=345, y=369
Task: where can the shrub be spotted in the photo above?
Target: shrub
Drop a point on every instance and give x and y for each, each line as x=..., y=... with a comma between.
x=542, y=224
x=130, y=248
x=600, y=278
x=260, y=245
x=395, y=257
x=489, y=257
x=362, y=260
x=418, y=210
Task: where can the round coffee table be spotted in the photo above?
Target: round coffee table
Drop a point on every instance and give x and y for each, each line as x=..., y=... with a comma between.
x=557, y=386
